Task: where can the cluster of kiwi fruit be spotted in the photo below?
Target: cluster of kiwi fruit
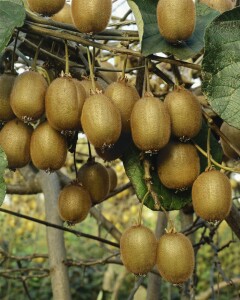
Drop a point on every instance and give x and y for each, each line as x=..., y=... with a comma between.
x=140, y=252
x=110, y=120
x=36, y=119
x=87, y=16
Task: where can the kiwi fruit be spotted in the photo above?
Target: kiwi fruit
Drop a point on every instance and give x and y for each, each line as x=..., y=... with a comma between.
x=48, y=148
x=91, y=16
x=74, y=203
x=123, y=96
x=64, y=102
x=212, y=196
x=101, y=121
x=220, y=5
x=6, y=84
x=27, y=96
x=175, y=257
x=117, y=150
x=171, y=18
x=112, y=178
x=64, y=15
x=185, y=113
x=178, y=165
x=94, y=177
x=15, y=139
x=138, y=249
x=233, y=134
x=150, y=124
x=46, y=7
x=112, y=76
x=87, y=84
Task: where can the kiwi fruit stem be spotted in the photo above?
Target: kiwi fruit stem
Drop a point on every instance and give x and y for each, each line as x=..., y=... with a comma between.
x=141, y=209
x=124, y=66
x=147, y=81
x=66, y=58
x=90, y=63
x=90, y=151
x=209, y=166
x=34, y=64
x=237, y=170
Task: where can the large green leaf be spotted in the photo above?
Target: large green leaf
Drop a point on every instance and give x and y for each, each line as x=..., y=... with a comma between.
x=221, y=66
x=170, y=199
x=152, y=42
x=12, y=14
x=3, y=165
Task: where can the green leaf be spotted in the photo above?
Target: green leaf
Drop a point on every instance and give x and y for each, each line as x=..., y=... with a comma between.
x=170, y=199
x=152, y=41
x=221, y=66
x=3, y=165
x=12, y=14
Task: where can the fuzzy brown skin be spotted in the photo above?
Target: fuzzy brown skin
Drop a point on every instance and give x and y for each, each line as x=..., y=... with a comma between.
x=101, y=121
x=185, y=113
x=220, y=5
x=48, y=148
x=172, y=22
x=74, y=203
x=15, y=139
x=91, y=15
x=64, y=15
x=138, y=248
x=233, y=134
x=6, y=85
x=28, y=95
x=87, y=84
x=178, y=165
x=46, y=7
x=94, y=177
x=112, y=178
x=150, y=124
x=175, y=257
x=212, y=196
x=64, y=102
x=123, y=96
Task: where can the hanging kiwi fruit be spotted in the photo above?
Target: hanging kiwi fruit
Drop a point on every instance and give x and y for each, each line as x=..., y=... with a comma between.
x=64, y=102
x=15, y=139
x=101, y=121
x=27, y=97
x=185, y=113
x=91, y=16
x=48, y=148
x=124, y=96
x=74, y=203
x=138, y=249
x=46, y=7
x=175, y=257
x=212, y=196
x=94, y=177
x=6, y=85
x=150, y=124
x=171, y=18
x=178, y=165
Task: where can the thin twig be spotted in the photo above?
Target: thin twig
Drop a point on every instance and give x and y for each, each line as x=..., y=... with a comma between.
x=77, y=233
